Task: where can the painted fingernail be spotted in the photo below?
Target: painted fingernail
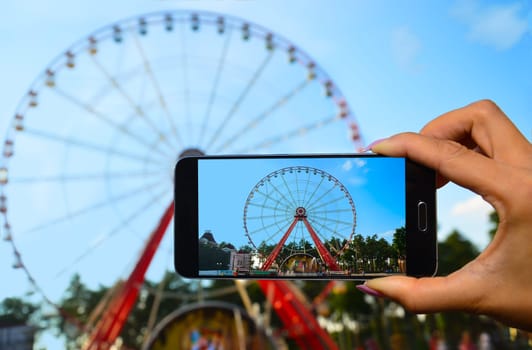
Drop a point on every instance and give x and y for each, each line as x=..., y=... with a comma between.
x=367, y=290
x=370, y=146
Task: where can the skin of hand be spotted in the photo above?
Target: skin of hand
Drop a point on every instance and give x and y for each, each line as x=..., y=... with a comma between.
x=479, y=148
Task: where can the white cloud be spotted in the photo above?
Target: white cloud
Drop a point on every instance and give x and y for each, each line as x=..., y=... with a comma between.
x=406, y=46
x=499, y=26
x=356, y=162
x=360, y=163
x=348, y=165
x=387, y=235
x=473, y=206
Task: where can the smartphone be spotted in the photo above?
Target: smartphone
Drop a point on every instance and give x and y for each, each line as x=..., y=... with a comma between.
x=342, y=216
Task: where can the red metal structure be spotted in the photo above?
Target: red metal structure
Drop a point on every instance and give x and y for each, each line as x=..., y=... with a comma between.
x=112, y=321
x=301, y=215
x=299, y=322
x=295, y=313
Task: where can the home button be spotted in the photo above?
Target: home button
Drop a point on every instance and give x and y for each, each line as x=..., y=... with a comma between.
x=422, y=216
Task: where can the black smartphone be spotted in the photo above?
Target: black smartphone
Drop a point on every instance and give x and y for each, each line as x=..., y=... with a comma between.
x=352, y=216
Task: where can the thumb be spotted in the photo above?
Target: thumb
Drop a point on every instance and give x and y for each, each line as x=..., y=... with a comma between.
x=429, y=294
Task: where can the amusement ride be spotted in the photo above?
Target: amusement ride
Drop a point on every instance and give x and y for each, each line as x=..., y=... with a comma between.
x=87, y=162
x=305, y=204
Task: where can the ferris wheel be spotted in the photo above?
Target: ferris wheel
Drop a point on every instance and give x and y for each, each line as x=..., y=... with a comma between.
x=87, y=161
x=297, y=209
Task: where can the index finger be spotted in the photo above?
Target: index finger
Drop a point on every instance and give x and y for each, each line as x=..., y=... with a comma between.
x=485, y=125
x=452, y=161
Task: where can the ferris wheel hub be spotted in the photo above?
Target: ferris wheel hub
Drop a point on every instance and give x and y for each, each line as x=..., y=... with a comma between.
x=191, y=152
x=301, y=213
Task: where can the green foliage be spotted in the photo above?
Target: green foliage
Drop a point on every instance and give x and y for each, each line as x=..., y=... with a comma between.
x=494, y=221
x=157, y=299
x=16, y=311
x=455, y=252
x=399, y=242
x=349, y=300
x=368, y=254
x=214, y=257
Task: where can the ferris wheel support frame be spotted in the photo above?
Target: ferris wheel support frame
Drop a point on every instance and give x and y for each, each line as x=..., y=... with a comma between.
x=296, y=315
x=320, y=247
x=275, y=252
x=324, y=253
x=108, y=328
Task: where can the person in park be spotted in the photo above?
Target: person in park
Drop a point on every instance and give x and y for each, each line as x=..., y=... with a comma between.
x=479, y=148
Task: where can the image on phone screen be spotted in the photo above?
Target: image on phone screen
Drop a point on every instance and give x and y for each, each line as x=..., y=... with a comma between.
x=301, y=217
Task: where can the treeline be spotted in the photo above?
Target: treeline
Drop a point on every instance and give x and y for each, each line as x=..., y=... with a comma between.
x=375, y=320
x=367, y=254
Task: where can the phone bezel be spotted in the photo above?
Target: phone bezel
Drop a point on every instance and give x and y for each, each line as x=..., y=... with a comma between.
x=420, y=186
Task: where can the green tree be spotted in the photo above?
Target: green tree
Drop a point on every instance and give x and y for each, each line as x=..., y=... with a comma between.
x=245, y=249
x=16, y=311
x=494, y=221
x=155, y=301
x=213, y=257
x=76, y=306
x=227, y=245
x=399, y=242
x=455, y=252
x=357, y=247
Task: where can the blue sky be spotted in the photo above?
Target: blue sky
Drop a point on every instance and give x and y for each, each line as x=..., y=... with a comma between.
x=398, y=65
x=375, y=185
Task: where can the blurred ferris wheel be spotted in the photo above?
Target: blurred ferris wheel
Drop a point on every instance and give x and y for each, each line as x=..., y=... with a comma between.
x=87, y=162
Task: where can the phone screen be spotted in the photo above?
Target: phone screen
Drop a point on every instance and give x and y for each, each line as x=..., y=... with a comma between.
x=313, y=217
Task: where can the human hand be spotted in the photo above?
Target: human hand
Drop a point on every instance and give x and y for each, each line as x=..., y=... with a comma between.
x=479, y=148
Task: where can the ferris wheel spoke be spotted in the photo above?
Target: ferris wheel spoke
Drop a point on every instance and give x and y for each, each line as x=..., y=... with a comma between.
x=267, y=217
x=316, y=188
x=329, y=211
x=286, y=206
x=137, y=109
x=264, y=206
x=116, y=229
x=327, y=221
x=90, y=208
x=280, y=224
x=263, y=116
x=121, y=128
x=299, y=234
x=276, y=189
x=298, y=193
x=320, y=205
x=85, y=177
x=90, y=146
x=214, y=89
x=305, y=192
x=185, y=70
x=280, y=230
x=318, y=201
x=290, y=135
x=289, y=191
x=322, y=225
x=240, y=99
x=156, y=86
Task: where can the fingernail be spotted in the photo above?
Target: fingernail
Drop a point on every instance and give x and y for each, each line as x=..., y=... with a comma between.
x=370, y=146
x=367, y=290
